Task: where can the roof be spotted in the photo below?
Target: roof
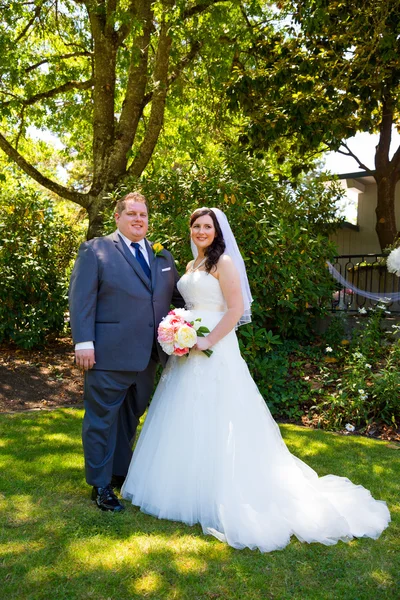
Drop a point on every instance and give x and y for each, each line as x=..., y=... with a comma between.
x=364, y=176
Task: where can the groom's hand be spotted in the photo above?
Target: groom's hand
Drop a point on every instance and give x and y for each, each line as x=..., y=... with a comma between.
x=84, y=359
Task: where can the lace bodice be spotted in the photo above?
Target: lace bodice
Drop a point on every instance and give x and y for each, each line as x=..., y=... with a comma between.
x=201, y=291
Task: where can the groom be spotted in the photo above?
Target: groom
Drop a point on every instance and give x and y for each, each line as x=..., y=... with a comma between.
x=119, y=292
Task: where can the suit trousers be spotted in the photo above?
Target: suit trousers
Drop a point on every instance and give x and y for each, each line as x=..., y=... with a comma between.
x=114, y=402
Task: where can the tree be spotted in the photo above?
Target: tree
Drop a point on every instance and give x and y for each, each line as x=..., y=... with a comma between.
x=331, y=71
x=97, y=73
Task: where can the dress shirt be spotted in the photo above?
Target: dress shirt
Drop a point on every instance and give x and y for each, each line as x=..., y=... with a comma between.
x=90, y=345
x=142, y=247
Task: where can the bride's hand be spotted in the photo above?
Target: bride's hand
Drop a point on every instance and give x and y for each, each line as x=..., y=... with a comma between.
x=202, y=344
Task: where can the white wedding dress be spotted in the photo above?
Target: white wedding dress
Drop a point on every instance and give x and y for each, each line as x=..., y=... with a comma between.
x=211, y=453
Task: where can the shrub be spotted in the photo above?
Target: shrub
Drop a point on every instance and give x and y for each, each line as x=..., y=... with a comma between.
x=36, y=249
x=367, y=383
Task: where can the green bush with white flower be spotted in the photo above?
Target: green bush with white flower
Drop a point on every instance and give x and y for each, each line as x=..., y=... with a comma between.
x=366, y=375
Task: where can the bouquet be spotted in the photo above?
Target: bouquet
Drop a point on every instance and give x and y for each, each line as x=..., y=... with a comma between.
x=177, y=334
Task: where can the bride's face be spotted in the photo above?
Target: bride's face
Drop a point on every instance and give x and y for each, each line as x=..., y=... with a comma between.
x=203, y=232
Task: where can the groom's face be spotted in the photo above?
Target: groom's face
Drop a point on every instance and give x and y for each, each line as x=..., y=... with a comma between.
x=133, y=221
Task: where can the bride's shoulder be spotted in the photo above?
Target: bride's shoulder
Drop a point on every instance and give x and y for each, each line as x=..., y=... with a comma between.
x=225, y=262
x=225, y=265
x=189, y=265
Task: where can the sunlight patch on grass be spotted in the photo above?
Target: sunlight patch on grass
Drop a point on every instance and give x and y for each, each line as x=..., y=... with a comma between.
x=16, y=548
x=190, y=564
x=39, y=574
x=148, y=583
x=24, y=511
x=62, y=438
x=382, y=578
x=4, y=461
x=186, y=552
x=378, y=469
x=313, y=446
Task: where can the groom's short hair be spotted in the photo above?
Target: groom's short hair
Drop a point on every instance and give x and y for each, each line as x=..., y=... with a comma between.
x=135, y=196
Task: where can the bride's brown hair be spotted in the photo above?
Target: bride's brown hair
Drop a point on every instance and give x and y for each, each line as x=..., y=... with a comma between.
x=217, y=248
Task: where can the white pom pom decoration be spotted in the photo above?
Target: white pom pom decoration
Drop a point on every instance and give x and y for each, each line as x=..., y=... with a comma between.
x=393, y=262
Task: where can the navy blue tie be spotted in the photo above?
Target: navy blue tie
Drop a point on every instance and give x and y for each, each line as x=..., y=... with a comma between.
x=141, y=259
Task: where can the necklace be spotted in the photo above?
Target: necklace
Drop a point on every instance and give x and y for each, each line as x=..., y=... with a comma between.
x=201, y=263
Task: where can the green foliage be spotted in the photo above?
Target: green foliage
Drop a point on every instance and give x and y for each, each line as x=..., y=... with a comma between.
x=342, y=72
x=336, y=331
x=366, y=383
x=368, y=339
x=278, y=371
x=385, y=392
x=36, y=248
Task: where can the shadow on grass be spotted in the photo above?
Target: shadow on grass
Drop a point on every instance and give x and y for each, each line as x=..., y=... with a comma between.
x=55, y=544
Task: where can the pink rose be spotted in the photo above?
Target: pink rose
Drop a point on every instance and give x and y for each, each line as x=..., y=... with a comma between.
x=165, y=334
x=181, y=351
x=172, y=319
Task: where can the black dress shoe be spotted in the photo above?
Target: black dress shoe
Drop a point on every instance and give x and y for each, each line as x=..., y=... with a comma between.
x=106, y=499
x=117, y=481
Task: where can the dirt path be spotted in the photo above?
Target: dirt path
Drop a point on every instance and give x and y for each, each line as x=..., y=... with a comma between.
x=39, y=379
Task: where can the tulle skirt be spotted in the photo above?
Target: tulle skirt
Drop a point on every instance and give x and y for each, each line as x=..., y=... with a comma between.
x=211, y=453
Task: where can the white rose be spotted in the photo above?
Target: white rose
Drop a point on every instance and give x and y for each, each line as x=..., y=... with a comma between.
x=197, y=324
x=350, y=427
x=167, y=347
x=185, y=337
x=184, y=313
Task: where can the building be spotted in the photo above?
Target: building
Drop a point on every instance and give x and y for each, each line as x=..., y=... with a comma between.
x=361, y=238
x=360, y=260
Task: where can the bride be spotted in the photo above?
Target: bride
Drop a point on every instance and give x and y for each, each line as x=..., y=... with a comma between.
x=210, y=452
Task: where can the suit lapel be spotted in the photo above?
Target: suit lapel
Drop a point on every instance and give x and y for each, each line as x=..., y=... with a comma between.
x=152, y=263
x=127, y=254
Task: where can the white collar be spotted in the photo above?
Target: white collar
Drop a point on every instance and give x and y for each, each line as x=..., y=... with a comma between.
x=128, y=242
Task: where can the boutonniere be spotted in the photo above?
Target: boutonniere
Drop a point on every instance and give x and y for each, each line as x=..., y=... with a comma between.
x=157, y=248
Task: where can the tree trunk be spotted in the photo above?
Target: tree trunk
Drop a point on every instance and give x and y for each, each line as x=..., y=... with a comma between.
x=386, y=227
x=386, y=176
x=98, y=205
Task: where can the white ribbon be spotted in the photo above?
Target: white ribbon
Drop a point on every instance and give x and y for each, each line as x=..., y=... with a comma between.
x=385, y=297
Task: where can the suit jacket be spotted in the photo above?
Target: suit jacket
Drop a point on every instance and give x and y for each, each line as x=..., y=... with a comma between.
x=113, y=303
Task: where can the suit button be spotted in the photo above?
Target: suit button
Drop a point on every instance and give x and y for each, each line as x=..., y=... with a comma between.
x=150, y=324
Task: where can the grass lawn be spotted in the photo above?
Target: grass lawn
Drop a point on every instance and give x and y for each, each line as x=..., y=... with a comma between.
x=54, y=544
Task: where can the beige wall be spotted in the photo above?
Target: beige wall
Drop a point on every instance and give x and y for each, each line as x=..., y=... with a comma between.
x=364, y=241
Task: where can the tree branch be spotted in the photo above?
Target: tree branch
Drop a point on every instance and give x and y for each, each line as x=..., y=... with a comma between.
x=179, y=68
x=126, y=27
x=21, y=127
x=36, y=14
x=158, y=103
x=199, y=8
x=60, y=190
x=350, y=153
x=54, y=58
x=133, y=105
x=111, y=7
x=65, y=87
x=105, y=55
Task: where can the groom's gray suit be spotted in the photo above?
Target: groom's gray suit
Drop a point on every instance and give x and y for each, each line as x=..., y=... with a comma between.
x=115, y=304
